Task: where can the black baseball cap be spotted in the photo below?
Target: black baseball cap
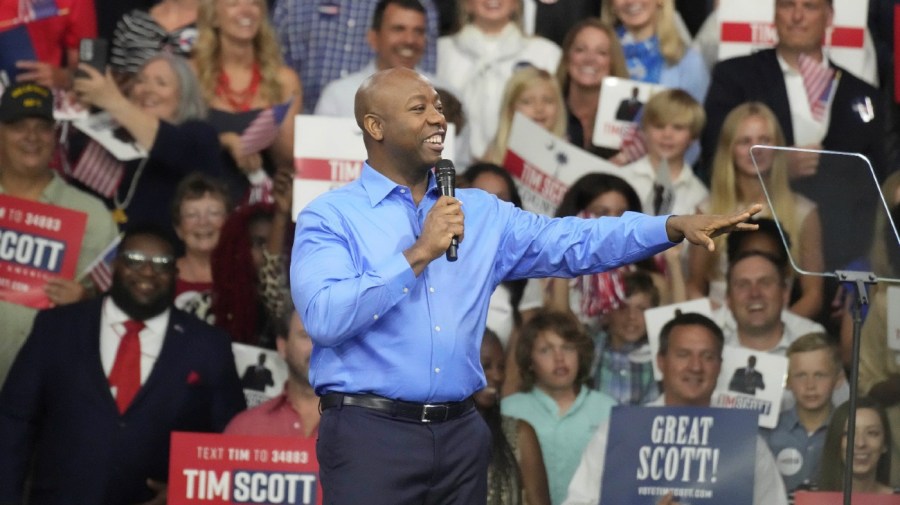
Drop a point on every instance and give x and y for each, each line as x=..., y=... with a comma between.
x=26, y=99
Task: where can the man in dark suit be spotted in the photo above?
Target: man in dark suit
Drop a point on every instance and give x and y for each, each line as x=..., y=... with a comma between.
x=98, y=387
x=630, y=107
x=747, y=379
x=849, y=122
x=257, y=377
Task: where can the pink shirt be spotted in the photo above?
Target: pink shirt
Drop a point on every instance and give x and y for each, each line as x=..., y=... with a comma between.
x=275, y=417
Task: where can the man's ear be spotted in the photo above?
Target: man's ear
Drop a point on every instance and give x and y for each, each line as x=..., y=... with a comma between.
x=372, y=39
x=374, y=126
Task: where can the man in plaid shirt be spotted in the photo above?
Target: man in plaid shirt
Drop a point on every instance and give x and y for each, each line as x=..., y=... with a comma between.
x=324, y=40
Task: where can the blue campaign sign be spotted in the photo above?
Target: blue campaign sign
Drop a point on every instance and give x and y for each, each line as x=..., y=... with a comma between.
x=702, y=455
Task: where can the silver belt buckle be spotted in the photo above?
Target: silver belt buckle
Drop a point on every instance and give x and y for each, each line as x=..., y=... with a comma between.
x=433, y=408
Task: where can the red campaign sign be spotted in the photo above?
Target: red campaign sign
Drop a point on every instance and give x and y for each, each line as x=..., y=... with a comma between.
x=327, y=169
x=764, y=33
x=38, y=242
x=214, y=468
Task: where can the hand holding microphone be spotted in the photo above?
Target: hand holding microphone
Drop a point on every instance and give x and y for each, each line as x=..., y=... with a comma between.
x=443, y=228
x=446, y=181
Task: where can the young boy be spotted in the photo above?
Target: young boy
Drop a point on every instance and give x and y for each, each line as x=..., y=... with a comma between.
x=623, y=363
x=796, y=442
x=672, y=120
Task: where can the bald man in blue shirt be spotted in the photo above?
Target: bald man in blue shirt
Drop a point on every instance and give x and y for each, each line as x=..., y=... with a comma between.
x=397, y=328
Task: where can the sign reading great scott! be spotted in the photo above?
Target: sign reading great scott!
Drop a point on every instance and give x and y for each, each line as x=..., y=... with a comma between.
x=37, y=242
x=213, y=468
x=701, y=455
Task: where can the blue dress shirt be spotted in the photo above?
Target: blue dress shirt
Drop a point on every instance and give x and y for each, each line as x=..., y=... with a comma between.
x=377, y=328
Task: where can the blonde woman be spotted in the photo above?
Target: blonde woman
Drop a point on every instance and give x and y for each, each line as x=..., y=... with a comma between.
x=479, y=59
x=241, y=72
x=655, y=49
x=591, y=52
x=735, y=184
x=534, y=93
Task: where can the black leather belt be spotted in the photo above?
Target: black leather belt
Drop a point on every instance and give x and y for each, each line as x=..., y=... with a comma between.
x=425, y=413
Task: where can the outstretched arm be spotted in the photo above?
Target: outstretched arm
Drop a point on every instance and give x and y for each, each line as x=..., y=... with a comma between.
x=701, y=229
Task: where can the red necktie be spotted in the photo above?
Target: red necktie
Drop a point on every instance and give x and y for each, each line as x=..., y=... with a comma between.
x=126, y=370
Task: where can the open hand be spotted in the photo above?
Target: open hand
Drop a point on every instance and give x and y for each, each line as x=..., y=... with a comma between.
x=701, y=229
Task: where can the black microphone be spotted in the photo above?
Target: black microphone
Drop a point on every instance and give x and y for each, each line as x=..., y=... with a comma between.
x=446, y=181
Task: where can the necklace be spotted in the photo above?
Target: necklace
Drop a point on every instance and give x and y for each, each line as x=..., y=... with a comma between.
x=239, y=100
x=119, y=215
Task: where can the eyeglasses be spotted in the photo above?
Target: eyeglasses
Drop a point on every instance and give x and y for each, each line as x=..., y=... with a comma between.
x=136, y=261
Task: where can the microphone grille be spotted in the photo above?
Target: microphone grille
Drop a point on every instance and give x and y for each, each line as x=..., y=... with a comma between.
x=444, y=164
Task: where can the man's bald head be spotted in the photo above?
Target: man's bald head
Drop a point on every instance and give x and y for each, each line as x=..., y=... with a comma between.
x=378, y=86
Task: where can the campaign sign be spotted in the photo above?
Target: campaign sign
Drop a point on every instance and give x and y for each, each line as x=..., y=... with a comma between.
x=657, y=317
x=621, y=102
x=837, y=498
x=893, y=318
x=544, y=165
x=329, y=152
x=108, y=133
x=263, y=372
x=746, y=27
x=214, y=468
x=37, y=242
x=752, y=380
x=698, y=454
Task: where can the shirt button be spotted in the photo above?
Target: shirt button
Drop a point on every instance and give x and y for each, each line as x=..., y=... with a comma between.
x=375, y=317
x=296, y=426
x=431, y=290
x=351, y=23
x=348, y=47
x=403, y=191
x=437, y=328
x=437, y=370
x=406, y=290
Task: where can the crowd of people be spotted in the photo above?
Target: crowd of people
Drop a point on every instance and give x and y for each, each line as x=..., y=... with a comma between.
x=208, y=245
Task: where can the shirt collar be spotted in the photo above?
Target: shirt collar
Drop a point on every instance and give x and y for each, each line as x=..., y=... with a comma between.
x=789, y=70
x=116, y=316
x=378, y=187
x=550, y=404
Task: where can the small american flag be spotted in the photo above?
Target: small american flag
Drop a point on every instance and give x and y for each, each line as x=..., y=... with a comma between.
x=817, y=80
x=100, y=270
x=263, y=130
x=99, y=170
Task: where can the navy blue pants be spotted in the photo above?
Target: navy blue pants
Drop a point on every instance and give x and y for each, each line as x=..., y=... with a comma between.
x=368, y=457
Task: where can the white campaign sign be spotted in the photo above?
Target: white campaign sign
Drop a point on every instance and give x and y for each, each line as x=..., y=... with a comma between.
x=746, y=27
x=621, y=100
x=759, y=388
x=544, y=166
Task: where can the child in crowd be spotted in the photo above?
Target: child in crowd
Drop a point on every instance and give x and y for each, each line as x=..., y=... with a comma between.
x=736, y=184
x=672, y=120
x=623, y=363
x=554, y=356
x=797, y=440
x=534, y=93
